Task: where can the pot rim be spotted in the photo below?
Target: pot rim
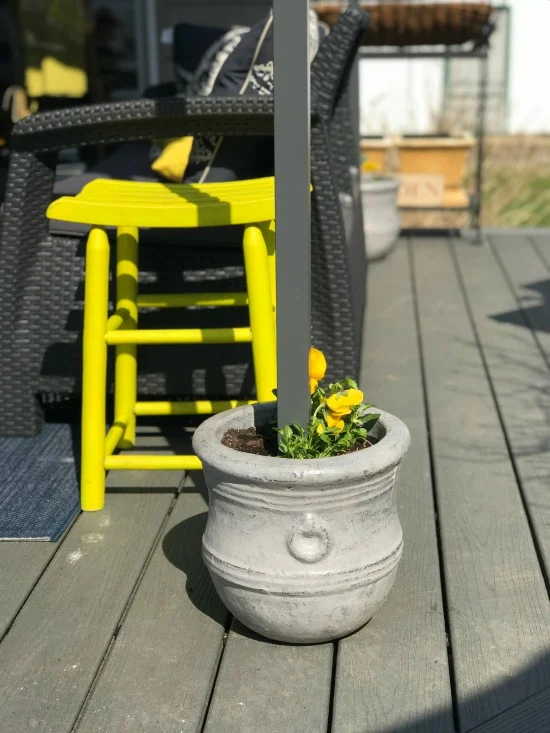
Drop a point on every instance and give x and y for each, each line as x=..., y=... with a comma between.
x=358, y=465
x=379, y=185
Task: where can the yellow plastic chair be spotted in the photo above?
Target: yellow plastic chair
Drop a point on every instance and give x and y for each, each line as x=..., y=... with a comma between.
x=129, y=206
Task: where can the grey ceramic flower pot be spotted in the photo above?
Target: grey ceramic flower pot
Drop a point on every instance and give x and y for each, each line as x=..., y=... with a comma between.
x=380, y=215
x=301, y=551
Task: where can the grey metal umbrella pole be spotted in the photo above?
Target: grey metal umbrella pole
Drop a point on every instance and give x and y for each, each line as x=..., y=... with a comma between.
x=292, y=192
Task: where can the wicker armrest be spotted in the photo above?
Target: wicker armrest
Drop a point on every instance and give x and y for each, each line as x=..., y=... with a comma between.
x=143, y=119
x=331, y=67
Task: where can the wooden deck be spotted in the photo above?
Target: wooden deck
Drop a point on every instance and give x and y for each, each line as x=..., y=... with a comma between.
x=116, y=629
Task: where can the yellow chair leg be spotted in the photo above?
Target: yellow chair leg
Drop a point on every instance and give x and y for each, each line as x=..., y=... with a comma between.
x=126, y=354
x=268, y=231
x=260, y=306
x=94, y=374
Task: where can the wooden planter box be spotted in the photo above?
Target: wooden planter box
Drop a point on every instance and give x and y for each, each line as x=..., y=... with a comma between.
x=410, y=24
x=447, y=157
x=375, y=150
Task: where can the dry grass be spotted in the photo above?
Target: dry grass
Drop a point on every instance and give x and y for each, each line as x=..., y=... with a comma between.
x=516, y=191
x=517, y=182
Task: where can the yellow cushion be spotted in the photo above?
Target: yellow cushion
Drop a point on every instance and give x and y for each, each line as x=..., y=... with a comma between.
x=173, y=160
x=56, y=79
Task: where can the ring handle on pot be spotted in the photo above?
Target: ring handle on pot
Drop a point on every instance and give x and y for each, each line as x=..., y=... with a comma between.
x=308, y=540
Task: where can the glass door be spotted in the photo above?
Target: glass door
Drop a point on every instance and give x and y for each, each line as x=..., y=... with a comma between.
x=118, y=49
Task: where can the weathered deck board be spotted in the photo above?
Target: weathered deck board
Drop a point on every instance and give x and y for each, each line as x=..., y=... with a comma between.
x=529, y=277
x=541, y=243
x=268, y=687
x=21, y=565
x=127, y=650
x=50, y=656
x=519, y=375
x=160, y=670
x=394, y=672
x=498, y=605
x=529, y=716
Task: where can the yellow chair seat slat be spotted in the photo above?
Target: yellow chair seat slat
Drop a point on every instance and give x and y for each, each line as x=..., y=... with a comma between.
x=251, y=186
x=227, y=190
x=136, y=204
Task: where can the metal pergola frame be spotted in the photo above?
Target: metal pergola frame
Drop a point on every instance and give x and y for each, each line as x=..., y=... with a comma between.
x=479, y=51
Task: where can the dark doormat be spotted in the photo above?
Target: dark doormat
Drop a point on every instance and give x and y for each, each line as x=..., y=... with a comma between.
x=39, y=494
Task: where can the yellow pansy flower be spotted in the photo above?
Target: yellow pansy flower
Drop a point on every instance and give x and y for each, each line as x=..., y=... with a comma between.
x=317, y=368
x=342, y=412
x=369, y=166
x=341, y=404
x=335, y=421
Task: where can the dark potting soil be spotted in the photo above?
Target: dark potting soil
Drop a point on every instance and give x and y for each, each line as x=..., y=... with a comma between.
x=263, y=442
x=250, y=440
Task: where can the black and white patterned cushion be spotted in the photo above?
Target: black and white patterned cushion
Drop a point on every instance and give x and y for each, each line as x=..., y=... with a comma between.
x=248, y=70
x=189, y=44
x=212, y=62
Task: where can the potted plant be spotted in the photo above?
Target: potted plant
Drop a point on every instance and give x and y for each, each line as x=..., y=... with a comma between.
x=381, y=220
x=303, y=538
